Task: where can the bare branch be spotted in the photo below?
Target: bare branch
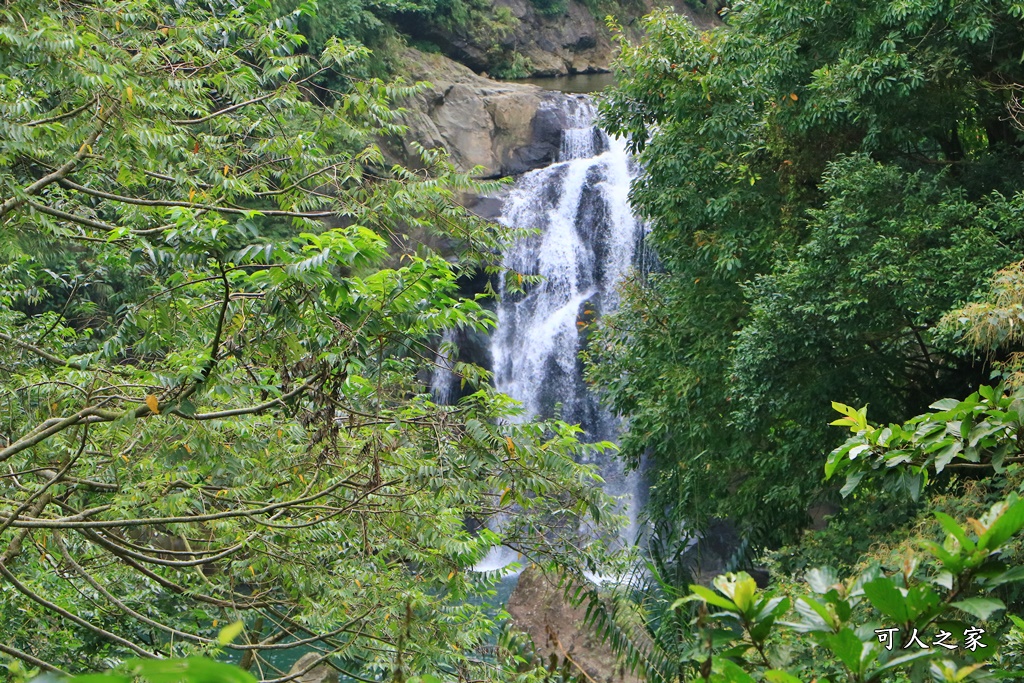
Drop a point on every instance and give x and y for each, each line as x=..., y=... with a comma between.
x=77, y=523
x=86, y=148
x=35, y=597
x=66, y=115
x=56, y=360
x=221, y=112
x=94, y=414
x=34, y=661
x=89, y=222
x=238, y=600
x=189, y=205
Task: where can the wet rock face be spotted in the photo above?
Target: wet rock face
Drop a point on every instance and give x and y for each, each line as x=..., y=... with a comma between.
x=505, y=128
x=559, y=632
x=575, y=41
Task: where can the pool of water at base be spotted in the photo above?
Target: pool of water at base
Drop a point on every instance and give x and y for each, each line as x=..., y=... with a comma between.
x=576, y=83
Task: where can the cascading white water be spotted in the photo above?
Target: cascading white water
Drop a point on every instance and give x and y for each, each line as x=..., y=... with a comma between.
x=587, y=240
x=443, y=382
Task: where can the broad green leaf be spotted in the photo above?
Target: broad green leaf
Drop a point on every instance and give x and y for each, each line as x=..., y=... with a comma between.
x=847, y=647
x=945, y=404
x=953, y=563
x=816, y=617
x=726, y=671
x=982, y=608
x=1006, y=525
x=710, y=597
x=902, y=660
x=821, y=579
x=954, y=529
x=887, y=599
x=1012, y=575
x=852, y=481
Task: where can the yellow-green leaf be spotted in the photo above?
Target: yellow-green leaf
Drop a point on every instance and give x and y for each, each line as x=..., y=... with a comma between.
x=230, y=632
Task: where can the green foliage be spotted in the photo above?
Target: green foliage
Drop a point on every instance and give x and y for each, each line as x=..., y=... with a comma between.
x=373, y=21
x=883, y=623
x=551, y=7
x=824, y=181
x=214, y=336
x=491, y=28
x=829, y=187
x=519, y=66
x=991, y=326
x=979, y=432
x=865, y=625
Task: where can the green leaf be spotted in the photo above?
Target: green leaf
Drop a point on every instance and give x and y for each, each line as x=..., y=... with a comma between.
x=902, y=660
x=739, y=587
x=726, y=671
x=852, y=480
x=1012, y=575
x=955, y=530
x=945, y=404
x=822, y=579
x=710, y=597
x=945, y=455
x=228, y=634
x=778, y=676
x=1006, y=525
x=982, y=608
x=950, y=562
x=887, y=599
x=847, y=647
x=982, y=430
x=816, y=617
x=189, y=670
x=771, y=608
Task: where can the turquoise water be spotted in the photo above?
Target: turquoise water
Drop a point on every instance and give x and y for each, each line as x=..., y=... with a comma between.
x=577, y=83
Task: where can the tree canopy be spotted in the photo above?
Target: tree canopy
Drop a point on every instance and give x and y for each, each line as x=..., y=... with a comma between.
x=824, y=181
x=830, y=188
x=216, y=324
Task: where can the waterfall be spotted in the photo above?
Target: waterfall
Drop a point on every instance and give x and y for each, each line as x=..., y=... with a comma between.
x=444, y=383
x=586, y=241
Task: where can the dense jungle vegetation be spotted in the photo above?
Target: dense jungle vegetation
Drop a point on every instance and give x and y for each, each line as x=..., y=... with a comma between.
x=834, y=190
x=214, y=336
x=216, y=434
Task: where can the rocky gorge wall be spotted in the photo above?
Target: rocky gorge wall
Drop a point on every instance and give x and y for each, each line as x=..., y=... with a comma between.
x=575, y=40
x=505, y=128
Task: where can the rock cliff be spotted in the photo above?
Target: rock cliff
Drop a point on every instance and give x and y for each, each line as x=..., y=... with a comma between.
x=505, y=128
x=574, y=41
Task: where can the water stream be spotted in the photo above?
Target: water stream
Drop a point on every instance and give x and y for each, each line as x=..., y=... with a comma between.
x=586, y=242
